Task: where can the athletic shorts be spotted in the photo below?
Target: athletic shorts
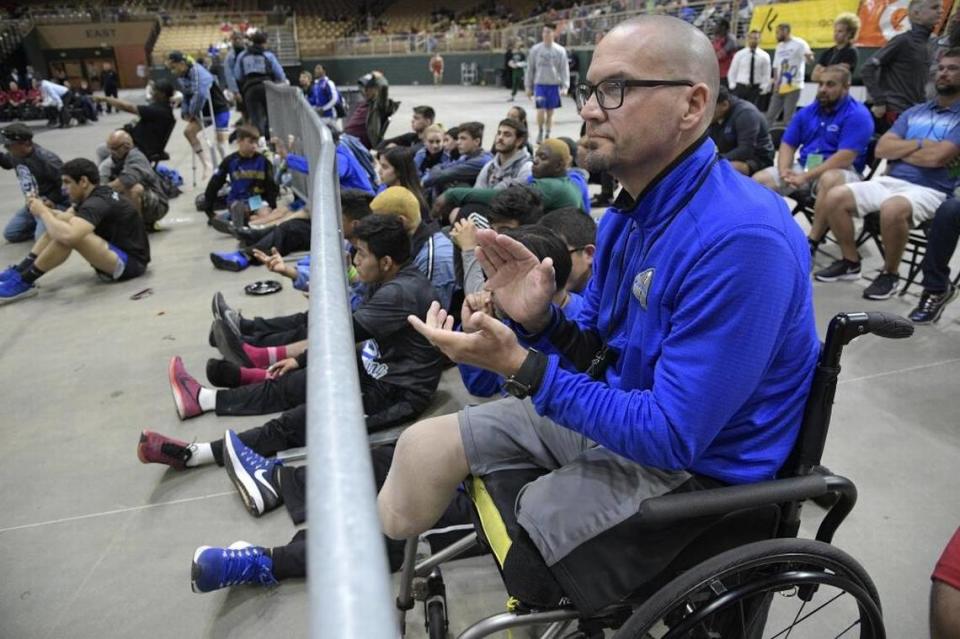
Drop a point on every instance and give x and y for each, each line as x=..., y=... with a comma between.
x=589, y=490
x=546, y=96
x=127, y=267
x=870, y=195
x=220, y=118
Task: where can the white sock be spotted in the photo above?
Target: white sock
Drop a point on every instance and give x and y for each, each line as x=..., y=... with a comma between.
x=201, y=453
x=207, y=399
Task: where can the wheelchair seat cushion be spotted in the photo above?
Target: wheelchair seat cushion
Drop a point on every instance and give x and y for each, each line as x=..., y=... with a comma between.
x=616, y=565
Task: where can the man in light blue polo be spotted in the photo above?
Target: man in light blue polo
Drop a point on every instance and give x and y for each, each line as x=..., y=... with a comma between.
x=920, y=148
x=831, y=134
x=548, y=78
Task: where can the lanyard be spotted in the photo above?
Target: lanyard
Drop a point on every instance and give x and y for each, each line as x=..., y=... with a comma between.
x=606, y=355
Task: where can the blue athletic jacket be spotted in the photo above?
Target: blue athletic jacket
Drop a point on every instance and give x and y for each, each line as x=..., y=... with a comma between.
x=712, y=319
x=248, y=177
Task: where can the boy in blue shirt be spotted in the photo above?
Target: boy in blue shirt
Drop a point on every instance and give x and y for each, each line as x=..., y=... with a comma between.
x=919, y=149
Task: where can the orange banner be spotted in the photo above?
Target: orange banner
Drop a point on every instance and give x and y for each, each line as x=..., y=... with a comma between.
x=881, y=20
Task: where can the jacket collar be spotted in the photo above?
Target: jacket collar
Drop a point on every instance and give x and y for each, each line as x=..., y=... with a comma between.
x=656, y=203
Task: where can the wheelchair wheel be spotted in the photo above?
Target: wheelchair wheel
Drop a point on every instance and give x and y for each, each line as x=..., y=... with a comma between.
x=794, y=587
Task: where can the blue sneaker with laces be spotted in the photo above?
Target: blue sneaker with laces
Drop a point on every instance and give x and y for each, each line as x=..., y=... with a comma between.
x=239, y=563
x=13, y=288
x=7, y=273
x=230, y=260
x=252, y=474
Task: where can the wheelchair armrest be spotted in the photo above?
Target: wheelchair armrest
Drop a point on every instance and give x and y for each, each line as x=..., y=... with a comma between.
x=659, y=512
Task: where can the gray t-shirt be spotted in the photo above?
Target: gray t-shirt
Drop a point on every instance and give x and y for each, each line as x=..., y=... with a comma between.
x=547, y=65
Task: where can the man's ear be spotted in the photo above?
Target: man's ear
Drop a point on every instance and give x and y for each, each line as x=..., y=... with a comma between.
x=386, y=263
x=589, y=251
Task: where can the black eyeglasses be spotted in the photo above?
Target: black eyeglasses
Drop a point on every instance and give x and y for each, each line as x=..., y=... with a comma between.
x=575, y=249
x=610, y=92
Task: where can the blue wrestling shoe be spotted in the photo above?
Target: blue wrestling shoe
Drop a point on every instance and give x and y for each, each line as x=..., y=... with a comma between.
x=13, y=288
x=252, y=474
x=239, y=563
x=230, y=261
x=7, y=273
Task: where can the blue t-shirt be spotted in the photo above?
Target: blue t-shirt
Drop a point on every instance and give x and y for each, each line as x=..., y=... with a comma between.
x=927, y=121
x=848, y=127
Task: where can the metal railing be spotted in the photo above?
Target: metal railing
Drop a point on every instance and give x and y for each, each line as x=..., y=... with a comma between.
x=348, y=578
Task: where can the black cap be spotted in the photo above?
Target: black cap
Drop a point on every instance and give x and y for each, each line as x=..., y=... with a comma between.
x=176, y=56
x=16, y=132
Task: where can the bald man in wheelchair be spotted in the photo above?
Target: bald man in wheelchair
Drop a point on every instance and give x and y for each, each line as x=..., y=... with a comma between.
x=688, y=368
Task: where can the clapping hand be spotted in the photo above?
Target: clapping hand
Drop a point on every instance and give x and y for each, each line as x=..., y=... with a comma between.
x=524, y=286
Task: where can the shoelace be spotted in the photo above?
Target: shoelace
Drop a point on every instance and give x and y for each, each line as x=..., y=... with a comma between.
x=929, y=301
x=246, y=565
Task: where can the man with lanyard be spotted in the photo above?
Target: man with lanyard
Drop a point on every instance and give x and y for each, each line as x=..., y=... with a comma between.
x=548, y=78
x=199, y=88
x=101, y=226
x=896, y=75
x=919, y=149
x=253, y=67
x=832, y=134
x=678, y=388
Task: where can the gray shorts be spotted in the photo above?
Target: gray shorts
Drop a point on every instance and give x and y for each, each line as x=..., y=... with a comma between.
x=589, y=490
x=783, y=188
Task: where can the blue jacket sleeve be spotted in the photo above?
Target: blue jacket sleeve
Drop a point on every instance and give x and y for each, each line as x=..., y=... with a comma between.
x=480, y=382
x=278, y=73
x=230, y=73
x=297, y=163
x=711, y=361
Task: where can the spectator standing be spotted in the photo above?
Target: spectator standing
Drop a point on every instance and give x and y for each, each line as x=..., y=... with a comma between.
x=237, y=47
x=548, y=78
x=253, y=67
x=845, y=29
x=110, y=83
x=436, y=68
x=789, y=65
x=724, y=45
x=370, y=118
x=201, y=95
x=517, y=64
x=55, y=100
x=896, y=75
x=750, y=71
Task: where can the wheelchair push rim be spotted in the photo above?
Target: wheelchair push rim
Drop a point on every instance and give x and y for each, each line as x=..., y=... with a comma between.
x=731, y=596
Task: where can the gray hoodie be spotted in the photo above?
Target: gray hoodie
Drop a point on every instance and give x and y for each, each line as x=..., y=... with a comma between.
x=515, y=171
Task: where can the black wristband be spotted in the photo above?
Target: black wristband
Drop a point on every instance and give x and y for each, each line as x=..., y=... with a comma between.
x=526, y=381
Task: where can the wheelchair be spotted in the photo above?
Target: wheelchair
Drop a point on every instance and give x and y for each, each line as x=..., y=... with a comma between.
x=738, y=569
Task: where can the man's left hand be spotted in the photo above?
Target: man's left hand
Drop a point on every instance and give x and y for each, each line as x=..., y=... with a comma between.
x=489, y=344
x=796, y=179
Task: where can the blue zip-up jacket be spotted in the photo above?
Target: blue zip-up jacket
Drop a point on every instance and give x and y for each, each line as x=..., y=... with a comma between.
x=256, y=64
x=351, y=173
x=323, y=95
x=712, y=318
x=248, y=177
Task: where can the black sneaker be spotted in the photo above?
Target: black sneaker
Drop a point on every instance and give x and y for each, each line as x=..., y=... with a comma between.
x=882, y=288
x=931, y=305
x=840, y=271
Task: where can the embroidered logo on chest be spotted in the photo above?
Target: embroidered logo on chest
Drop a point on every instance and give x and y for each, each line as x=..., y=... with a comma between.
x=641, y=286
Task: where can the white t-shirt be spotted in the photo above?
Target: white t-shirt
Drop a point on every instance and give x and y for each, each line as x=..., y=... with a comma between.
x=789, y=64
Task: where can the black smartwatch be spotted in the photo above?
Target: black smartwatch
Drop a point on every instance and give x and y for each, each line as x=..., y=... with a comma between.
x=526, y=380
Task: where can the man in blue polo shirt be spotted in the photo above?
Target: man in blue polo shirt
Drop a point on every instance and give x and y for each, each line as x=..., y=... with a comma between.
x=919, y=149
x=832, y=134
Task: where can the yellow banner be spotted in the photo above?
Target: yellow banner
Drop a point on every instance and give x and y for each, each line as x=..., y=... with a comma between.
x=811, y=20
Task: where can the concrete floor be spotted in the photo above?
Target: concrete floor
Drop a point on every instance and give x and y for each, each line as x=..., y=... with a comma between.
x=93, y=544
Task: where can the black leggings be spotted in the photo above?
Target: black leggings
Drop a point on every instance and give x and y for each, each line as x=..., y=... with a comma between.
x=289, y=237
x=288, y=430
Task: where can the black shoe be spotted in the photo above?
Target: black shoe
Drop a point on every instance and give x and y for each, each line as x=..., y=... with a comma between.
x=882, y=288
x=250, y=236
x=222, y=373
x=230, y=344
x=840, y=270
x=223, y=311
x=931, y=305
x=222, y=225
x=600, y=200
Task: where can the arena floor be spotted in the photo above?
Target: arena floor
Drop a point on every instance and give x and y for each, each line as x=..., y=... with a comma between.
x=94, y=544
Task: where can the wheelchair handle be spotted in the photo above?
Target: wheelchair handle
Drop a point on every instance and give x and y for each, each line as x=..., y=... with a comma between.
x=845, y=327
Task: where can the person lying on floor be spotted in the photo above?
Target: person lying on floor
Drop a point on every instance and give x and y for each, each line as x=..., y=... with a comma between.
x=399, y=371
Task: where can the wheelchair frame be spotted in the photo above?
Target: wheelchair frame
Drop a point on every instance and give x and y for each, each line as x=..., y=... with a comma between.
x=800, y=481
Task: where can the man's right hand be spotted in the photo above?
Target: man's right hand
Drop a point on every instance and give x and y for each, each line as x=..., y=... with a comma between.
x=523, y=285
